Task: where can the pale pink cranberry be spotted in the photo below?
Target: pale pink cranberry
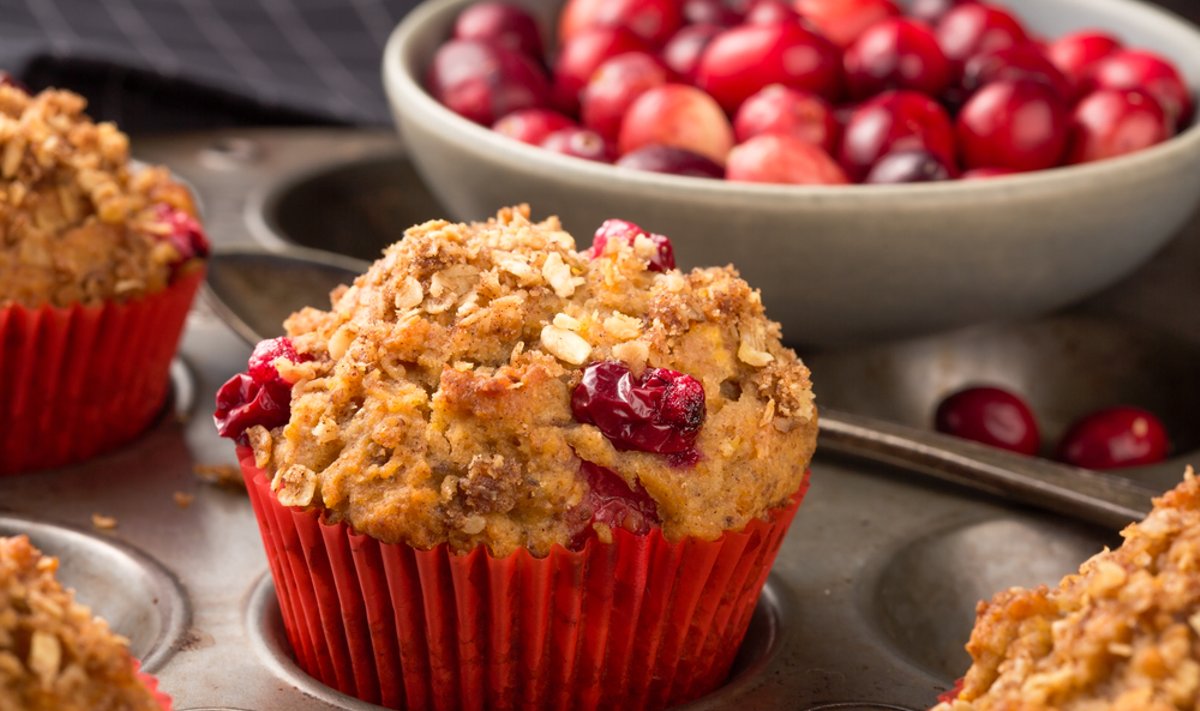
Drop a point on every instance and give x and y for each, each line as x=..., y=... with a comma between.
x=782, y=159
x=740, y=61
x=912, y=166
x=1075, y=54
x=710, y=12
x=1020, y=125
x=260, y=396
x=842, y=21
x=579, y=143
x=583, y=54
x=664, y=256
x=1012, y=63
x=1110, y=123
x=614, y=87
x=1115, y=438
x=531, y=125
x=975, y=28
x=895, y=121
x=659, y=411
x=500, y=23
x=677, y=115
x=896, y=53
x=770, y=12
x=931, y=11
x=612, y=502
x=652, y=20
x=985, y=173
x=657, y=158
x=780, y=110
x=991, y=416
x=682, y=52
x=482, y=81
x=1141, y=69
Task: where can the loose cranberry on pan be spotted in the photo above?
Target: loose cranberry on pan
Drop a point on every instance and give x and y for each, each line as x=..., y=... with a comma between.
x=1114, y=438
x=974, y=28
x=1019, y=125
x=484, y=82
x=652, y=20
x=611, y=501
x=897, y=120
x=914, y=166
x=677, y=115
x=260, y=396
x=661, y=411
x=1075, y=54
x=583, y=54
x=682, y=52
x=842, y=21
x=991, y=416
x=664, y=257
x=1109, y=123
x=780, y=110
x=613, y=88
x=896, y=53
x=531, y=125
x=500, y=23
x=657, y=158
x=1140, y=69
x=579, y=143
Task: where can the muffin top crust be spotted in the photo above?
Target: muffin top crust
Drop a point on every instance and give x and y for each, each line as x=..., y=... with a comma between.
x=1121, y=635
x=54, y=655
x=78, y=224
x=487, y=384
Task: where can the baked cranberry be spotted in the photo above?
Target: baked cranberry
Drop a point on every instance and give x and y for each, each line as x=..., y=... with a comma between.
x=1114, y=438
x=770, y=12
x=985, y=173
x=975, y=28
x=182, y=232
x=1011, y=63
x=1020, y=125
x=260, y=396
x=613, y=88
x=677, y=115
x=657, y=158
x=531, y=125
x=7, y=79
x=612, y=502
x=742, y=60
x=771, y=158
x=664, y=256
x=780, y=110
x=931, y=11
x=1140, y=69
x=579, y=143
x=710, y=12
x=652, y=20
x=842, y=21
x=660, y=411
x=1110, y=123
x=482, y=81
x=500, y=23
x=1075, y=54
x=583, y=54
x=896, y=53
x=992, y=416
x=682, y=52
x=895, y=121
x=914, y=166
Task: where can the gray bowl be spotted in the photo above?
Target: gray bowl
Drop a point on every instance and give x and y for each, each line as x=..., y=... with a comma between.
x=843, y=264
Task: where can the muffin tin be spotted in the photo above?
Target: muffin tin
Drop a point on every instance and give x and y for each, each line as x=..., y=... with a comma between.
x=872, y=595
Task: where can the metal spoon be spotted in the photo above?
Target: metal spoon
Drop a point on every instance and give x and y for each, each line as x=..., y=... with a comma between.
x=254, y=290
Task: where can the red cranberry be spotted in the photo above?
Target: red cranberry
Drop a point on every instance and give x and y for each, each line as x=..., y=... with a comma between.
x=682, y=53
x=915, y=166
x=660, y=411
x=531, y=125
x=1012, y=63
x=782, y=159
x=742, y=60
x=579, y=143
x=652, y=20
x=985, y=173
x=931, y=11
x=614, y=87
x=483, y=82
x=677, y=115
x=182, y=232
x=260, y=396
x=975, y=28
x=503, y=24
x=669, y=159
x=1110, y=123
x=1139, y=69
x=1114, y=438
x=895, y=121
x=842, y=21
x=664, y=257
x=1075, y=54
x=992, y=416
x=770, y=12
x=583, y=54
x=612, y=502
x=780, y=110
x=710, y=12
x=1020, y=125
x=896, y=53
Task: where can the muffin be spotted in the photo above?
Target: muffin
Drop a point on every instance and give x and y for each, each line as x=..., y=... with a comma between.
x=54, y=654
x=504, y=473
x=1122, y=635
x=99, y=261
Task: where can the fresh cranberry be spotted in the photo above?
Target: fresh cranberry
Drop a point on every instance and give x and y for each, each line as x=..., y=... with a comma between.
x=664, y=256
x=1114, y=438
x=985, y=173
x=710, y=12
x=1012, y=63
x=914, y=166
x=611, y=501
x=742, y=60
x=583, y=54
x=260, y=396
x=770, y=12
x=771, y=158
x=660, y=411
x=677, y=115
x=1110, y=123
x=652, y=20
x=1075, y=54
x=183, y=233
x=780, y=110
x=931, y=11
x=992, y=416
x=531, y=125
x=976, y=28
x=503, y=24
x=1020, y=125
x=614, y=87
x=1140, y=69
x=895, y=121
x=896, y=53
x=842, y=21
x=657, y=158
x=579, y=143
x=682, y=53
x=482, y=81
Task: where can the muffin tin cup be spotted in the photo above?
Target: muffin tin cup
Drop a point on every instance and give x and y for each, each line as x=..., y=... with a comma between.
x=81, y=380
x=639, y=623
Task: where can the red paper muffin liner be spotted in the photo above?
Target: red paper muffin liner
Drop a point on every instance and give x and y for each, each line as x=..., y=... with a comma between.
x=77, y=381
x=642, y=623
x=151, y=683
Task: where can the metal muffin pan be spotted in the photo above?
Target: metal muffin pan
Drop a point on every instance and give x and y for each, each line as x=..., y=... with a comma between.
x=870, y=600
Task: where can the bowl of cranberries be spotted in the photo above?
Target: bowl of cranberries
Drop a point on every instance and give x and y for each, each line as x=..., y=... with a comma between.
x=880, y=168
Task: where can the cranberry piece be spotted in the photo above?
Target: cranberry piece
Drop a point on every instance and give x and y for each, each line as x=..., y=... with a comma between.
x=583, y=54
x=531, y=125
x=1110, y=123
x=260, y=396
x=931, y=11
x=909, y=167
x=669, y=159
x=985, y=173
x=842, y=21
x=770, y=12
x=611, y=501
x=992, y=416
x=780, y=110
x=579, y=143
x=1020, y=125
x=1011, y=63
x=500, y=23
x=742, y=60
x=614, y=87
x=710, y=12
x=1075, y=54
x=1139, y=69
x=664, y=257
x=677, y=115
x=682, y=53
x=7, y=79
x=182, y=232
x=483, y=82
x=1114, y=438
x=771, y=158
x=652, y=20
x=896, y=53
x=661, y=411
x=895, y=121
x=975, y=28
